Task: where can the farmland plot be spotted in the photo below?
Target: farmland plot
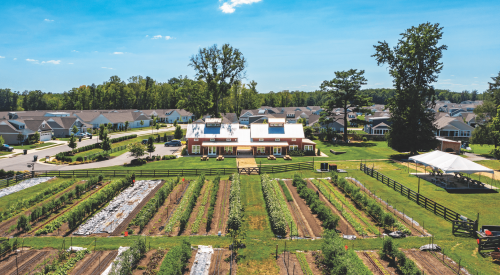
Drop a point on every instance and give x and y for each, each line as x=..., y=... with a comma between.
x=108, y=220
x=23, y=185
x=279, y=214
x=221, y=208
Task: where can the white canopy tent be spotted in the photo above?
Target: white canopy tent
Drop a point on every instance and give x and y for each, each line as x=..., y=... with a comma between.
x=449, y=163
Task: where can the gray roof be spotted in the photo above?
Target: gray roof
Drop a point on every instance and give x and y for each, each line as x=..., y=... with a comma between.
x=35, y=125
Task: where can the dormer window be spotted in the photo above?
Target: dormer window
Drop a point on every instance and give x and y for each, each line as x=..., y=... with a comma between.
x=277, y=139
x=212, y=139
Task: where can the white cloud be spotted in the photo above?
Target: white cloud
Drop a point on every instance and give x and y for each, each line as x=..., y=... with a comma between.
x=2, y=56
x=107, y=68
x=31, y=60
x=70, y=63
x=147, y=35
x=48, y=20
x=118, y=53
x=55, y=62
x=228, y=7
x=74, y=51
x=168, y=37
x=452, y=75
x=475, y=76
x=157, y=37
x=15, y=58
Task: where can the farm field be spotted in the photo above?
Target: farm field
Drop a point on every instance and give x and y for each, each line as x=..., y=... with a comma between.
x=260, y=238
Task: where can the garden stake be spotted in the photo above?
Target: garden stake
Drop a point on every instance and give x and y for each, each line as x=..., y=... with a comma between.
x=276, y=252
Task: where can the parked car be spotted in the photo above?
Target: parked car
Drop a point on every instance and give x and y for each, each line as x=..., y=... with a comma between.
x=144, y=141
x=6, y=147
x=174, y=142
x=82, y=135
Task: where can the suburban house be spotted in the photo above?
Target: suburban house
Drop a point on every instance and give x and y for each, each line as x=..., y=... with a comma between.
x=290, y=114
x=378, y=125
x=179, y=115
x=116, y=118
x=452, y=127
x=276, y=137
x=63, y=125
x=11, y=128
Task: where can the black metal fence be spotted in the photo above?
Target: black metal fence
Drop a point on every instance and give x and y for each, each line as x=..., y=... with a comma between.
x=423, y=201
x=269, y=169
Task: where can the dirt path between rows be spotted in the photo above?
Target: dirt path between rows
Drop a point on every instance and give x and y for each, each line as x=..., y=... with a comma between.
x=365, y=257
x=192, y=218
x=313, y=223
x=428, y=263
x=344, y=226
x=289, y=261
x=159, y=219
x=221, y=209
x=26, y=262
x=90, y=263
x=301, y=229
x=219, y=265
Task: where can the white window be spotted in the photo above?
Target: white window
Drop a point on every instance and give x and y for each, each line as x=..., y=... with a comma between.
x=294, y=139
x=308, y=147
x=294, y=147
x=277, y=139
x=261, y=149
x=196, y=139
x=261, y=139
x=212, y=139
x=228, y=139
x=228, y=148
x=195, y=149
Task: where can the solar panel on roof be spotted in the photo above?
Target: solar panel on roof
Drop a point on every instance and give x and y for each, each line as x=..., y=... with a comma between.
x=276, y=130
x=212, y=130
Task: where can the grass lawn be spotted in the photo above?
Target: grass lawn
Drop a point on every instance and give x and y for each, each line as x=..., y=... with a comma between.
x=483, y=150
x=180, y=163
x=33, y=146
x=358, y=151
x=493, y=164
x=26, y=193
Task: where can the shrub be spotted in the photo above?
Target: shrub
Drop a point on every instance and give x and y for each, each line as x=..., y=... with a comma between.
x=309, y=153
x=138, y=161
x=296, y=153
x=319, y=152
x=184, y=151
x=79, y=158
x=365, y=139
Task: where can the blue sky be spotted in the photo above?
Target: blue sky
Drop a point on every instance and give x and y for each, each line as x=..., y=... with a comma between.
x=290, y=45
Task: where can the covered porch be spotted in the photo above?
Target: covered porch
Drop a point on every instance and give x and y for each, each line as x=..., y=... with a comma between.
x=253, y=149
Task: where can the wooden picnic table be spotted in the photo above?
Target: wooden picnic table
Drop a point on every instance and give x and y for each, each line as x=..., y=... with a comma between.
x=287, y=157
x=271, y=157
x=204, y=157
x=220, y=157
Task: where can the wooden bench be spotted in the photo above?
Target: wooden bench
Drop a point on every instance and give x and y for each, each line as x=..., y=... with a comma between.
x=337, y=152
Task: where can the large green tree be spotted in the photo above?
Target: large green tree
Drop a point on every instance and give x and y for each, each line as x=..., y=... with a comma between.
x=220, y=68
x=194, y=97
x=344, y=92
x=414, y=63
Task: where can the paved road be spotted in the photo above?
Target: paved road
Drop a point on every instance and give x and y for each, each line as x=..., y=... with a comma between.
x=19, y=163
x=120, y=160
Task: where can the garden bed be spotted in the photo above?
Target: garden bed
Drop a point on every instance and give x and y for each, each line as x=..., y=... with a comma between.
x=219, y=222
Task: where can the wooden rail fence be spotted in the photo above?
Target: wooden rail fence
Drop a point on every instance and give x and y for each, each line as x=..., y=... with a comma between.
x=423, y=201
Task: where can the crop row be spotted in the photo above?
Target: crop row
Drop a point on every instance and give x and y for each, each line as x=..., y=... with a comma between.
x=398, y=258
x=213, y=200
x=192, y=203
x=339, y=207
x=284, y=208
x=370, y=205
x=77, y=215
x=274, y=209
x=150, y=209
x=325, y=215
x=70, y=263
x=303, y=264
x=351, y=207
x=234, y=220
x=201, y=210
x=19, y=206
x=128, y=260
x=338, y=258
x=184, y=204
x=176, y=259
x=52, y=206
x=285, y=190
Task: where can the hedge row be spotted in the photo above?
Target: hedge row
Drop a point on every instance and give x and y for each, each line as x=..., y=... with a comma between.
x=176, y=259
x=78, y=214
x=369, y=204
x=19, y=206
x=61, y=155
x=325, y=214
x=192, y=203
x=274, y=208
x=404, y=265
x=235, y=209
x=150, y=209
x=213, y=200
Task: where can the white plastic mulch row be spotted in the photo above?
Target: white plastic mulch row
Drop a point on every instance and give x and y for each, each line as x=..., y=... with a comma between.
x=118, y=209
x=23, y=185
x=121, y=249
x=201, y=264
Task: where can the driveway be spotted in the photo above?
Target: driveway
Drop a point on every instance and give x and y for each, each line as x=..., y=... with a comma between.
x=19, y=162
x=120, y=160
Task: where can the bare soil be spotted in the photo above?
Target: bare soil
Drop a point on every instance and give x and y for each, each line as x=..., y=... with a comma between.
x=415, y=230
x=159, y=219
x=219, y=265
x=344, y=226
x=288, y=261
x=143, y=262
x=301, y=230
x=190, y=263
x=221, y=210
x=312, y=222
x=312, y=263
x=428, y=263
x=365, y=257
x=123, y=226
x=26, y=262
x=387, y=265
x=5, y=225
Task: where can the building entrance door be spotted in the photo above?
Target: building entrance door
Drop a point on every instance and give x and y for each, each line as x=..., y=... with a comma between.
x=212, y=150
x=276, y=150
